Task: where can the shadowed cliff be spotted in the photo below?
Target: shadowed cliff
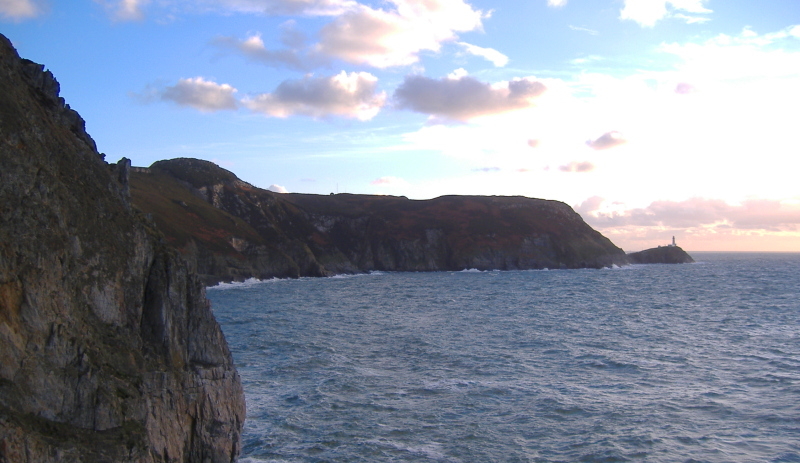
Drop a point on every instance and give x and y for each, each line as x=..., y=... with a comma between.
x=109, y=350
x=229, y=230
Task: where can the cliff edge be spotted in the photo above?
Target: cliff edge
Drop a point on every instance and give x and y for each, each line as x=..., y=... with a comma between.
x=109, y=350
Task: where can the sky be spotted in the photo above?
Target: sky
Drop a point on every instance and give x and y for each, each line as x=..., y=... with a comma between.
x=651, y=118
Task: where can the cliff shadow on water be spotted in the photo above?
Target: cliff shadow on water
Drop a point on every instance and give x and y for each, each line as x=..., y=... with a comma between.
x=109, y=350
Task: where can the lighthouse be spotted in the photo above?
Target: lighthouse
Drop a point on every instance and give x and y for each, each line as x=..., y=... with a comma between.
x=673, y=242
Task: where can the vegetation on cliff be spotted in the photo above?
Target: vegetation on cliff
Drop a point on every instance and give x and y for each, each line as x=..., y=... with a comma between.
x=109, y=350
x=229, y=230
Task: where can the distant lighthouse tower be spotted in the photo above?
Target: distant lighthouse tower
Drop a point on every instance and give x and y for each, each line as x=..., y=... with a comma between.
x=673, y=242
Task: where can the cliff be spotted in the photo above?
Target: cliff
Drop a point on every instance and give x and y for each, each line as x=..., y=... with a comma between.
x=661, y=255
x=109, y=350
x=230, y=230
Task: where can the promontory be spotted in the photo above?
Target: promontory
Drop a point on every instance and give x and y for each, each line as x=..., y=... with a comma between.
x=109, y=351
x=229, y=230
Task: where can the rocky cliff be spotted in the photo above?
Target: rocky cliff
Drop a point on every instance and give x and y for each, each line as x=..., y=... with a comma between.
x=109, y=351
x=661, y=255
x=230, y=230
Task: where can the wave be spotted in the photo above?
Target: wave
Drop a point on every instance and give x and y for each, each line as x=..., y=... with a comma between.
x=248, y=283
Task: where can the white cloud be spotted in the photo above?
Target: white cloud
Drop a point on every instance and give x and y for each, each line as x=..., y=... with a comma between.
x=556, y=3
x=277, y=189
x=462, y=98
x=395, y=37
x=18, y=10
x=489, y=54
x=691, y=19
x=124, y=10
x=648, y=12
x=350, y=95
x=206, y=96
x=583, y=29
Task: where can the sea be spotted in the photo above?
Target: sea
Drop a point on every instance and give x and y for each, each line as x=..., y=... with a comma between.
x=648, y=363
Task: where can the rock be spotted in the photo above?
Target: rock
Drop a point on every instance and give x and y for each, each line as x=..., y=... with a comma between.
x=660, y=255
x=109, y=350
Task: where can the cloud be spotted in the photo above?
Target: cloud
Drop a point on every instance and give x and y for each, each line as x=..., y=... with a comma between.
x=755, y=214
x=583, y=29
x=463, y=98
x=18, y=10
x=395, y=181
x=206, y=96
x=349, y=95
x=275, y=188
x=295, y=55
x=684, y=89
x=360, y=34
x=533, y=143
x=487, y=169
x=395, y=37
x=124, y=10
x=590, y=205
x=490, y=54
x=576, y=166
x=556, y=3
x=607, y=140
x=691, y=19
x=283, y=7
x=648, y=12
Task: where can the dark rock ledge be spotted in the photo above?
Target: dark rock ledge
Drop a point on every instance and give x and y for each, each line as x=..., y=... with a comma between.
x=109, y=351
x=661, y=255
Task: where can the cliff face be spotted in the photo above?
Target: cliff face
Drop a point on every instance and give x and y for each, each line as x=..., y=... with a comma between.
x=230, y=230
x=661, y=255
x=108, y=348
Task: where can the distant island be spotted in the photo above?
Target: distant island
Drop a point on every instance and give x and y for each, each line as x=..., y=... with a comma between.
x=669, y=254
x=230, y=230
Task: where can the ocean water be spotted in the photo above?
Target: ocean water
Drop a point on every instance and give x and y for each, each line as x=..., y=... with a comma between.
x=650, y=363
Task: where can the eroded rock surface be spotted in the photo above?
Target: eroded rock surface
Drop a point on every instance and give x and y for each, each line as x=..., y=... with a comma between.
x=109, y=351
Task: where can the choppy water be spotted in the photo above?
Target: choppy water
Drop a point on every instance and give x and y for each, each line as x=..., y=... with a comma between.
x=653, y=363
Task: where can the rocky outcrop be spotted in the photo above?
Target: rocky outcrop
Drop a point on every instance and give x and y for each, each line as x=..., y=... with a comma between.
x=661, y=255
x=109, y=350
x=231, y=230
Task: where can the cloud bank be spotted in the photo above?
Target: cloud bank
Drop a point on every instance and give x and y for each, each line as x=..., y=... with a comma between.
x=756, y=214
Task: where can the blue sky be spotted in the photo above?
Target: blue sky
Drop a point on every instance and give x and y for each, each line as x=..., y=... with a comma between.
x=651, y=118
